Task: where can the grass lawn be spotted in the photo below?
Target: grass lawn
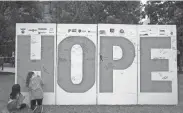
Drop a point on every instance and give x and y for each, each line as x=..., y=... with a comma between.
x=7, y=80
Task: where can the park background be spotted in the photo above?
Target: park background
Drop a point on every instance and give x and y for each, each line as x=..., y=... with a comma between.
x=87, y=12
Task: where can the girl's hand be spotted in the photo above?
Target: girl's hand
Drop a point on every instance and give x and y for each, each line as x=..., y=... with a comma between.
x=17, y=96
x=29, y=89
x=18, y=107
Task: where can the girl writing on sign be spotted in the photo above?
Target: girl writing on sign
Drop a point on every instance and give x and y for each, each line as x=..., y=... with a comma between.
x=34, y=84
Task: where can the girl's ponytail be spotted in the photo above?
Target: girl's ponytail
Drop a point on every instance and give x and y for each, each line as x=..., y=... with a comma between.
x=29, y=76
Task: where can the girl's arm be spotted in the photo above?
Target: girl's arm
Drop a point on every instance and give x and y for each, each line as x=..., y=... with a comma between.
x=20, y=100
x=42, y=84
x=41, y=81
x=30, y=85
x=17, y=101
x=29, y=88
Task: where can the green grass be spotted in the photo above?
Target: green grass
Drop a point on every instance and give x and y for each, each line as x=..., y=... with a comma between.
x=7, y=80
x=111, y=109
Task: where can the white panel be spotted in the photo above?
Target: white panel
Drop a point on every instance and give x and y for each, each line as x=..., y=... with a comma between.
x=89, y=97
x=37, y=30
x=124, y=81
x=37, y=73
x=164, y=54
x=76, y=65
x=171, y=75
x=35, y=47
x=162, y=76
x=117, y=53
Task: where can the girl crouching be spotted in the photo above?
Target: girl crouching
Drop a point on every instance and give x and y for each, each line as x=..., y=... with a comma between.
x=16, y=99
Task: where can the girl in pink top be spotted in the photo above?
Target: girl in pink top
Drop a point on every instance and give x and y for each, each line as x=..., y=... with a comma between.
x=35, y=87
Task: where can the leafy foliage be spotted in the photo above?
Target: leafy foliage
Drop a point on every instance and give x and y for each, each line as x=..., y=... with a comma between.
x=161, y=12
x=168, y=12
x=87, y=12
x=16, y=12
x=96, y=12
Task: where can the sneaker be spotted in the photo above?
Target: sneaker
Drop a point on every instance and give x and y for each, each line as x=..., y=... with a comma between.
x=35, y=109
x=40, y=109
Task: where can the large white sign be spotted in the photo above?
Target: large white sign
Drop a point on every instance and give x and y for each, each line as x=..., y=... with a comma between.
x=35, y=47
x=117, y=67
x=157, y=65
x=32, y=54
x=76, y=62
x=102, y=64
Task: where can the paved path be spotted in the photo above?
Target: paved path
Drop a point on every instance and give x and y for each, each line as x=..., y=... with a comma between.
x=8, y=69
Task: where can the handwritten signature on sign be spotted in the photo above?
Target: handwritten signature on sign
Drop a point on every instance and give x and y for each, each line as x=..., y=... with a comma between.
x=163, y=77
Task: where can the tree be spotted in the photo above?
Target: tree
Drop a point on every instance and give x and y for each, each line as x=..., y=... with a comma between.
x=93, y=12
x=85, y=12
x=160, y=12
x=168, y=12
x=124, y=12
x=16, y=12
